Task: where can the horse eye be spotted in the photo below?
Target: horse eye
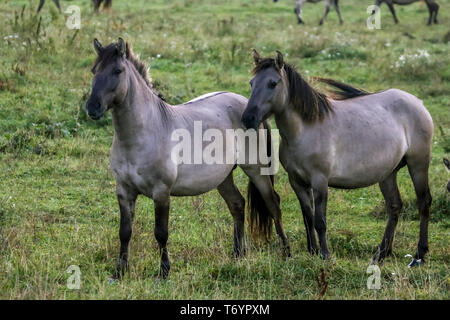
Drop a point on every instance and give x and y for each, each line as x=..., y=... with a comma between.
x=117, y=71
x=272, y=84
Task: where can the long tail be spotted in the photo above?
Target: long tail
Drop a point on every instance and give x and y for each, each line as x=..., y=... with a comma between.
x=345, y=91
x=260, y=217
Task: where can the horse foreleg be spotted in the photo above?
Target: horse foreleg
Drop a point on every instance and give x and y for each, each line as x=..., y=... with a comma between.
x=336, y=7
x=320, y=188
x=305, y=198
x=391, y=7
x=57, y=5
x=127, y=202
x=327, y=10
x=394, y=204
x=298, y=11
x=41, y=4
x=236, y=205
x=162, y=205
x=436, y=11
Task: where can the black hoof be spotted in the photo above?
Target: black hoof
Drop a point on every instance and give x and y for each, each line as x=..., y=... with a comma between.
x=238, y=253
x=324, y=256
x=416, y=263
x=122, y=267
x=287, y=252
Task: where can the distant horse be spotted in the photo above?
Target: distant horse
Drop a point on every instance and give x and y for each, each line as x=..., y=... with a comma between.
x=42, y=2
x=141, y=151
x=447, y=164
x=97, y=3
x=433, y=8
x=353, y=139
x=328, y=4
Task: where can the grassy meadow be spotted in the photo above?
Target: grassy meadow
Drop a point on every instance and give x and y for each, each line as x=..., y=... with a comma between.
x=57, y=195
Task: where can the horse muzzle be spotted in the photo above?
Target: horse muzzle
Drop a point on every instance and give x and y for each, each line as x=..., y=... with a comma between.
x=95, y=110
x=250, y=121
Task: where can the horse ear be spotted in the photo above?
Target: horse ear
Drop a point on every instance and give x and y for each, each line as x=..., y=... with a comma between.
x=279, y=60
x=121, y=46
x=256, y=57
x=446, y=162
x=127, y=50
x=98, y=46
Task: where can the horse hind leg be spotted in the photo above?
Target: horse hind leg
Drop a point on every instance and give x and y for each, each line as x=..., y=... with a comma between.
x=162, y=207
x=391, y=194
x=236, y=204
x=418, y=170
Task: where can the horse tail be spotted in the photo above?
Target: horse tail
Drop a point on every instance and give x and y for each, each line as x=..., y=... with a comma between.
x=260, y=219
x=345, y=91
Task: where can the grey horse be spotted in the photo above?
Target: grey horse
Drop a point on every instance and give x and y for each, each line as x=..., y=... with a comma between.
x=328, y=4
x=141, y=153
x=352, y=139
x=447, y=164
x=433, y=8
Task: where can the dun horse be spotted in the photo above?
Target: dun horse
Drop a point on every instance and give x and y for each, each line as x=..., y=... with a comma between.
x=328, y=4
x=352, y=140
x=97, y=3
x=141, y=151
x=433, y=8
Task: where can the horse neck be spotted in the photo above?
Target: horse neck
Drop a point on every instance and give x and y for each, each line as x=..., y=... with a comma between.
x=289, y=122
x=139, y=115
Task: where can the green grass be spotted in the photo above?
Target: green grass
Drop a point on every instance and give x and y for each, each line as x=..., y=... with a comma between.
x=57, y=200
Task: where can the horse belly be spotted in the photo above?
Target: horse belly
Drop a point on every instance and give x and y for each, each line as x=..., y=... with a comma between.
x=371, y=165
x=197, y=179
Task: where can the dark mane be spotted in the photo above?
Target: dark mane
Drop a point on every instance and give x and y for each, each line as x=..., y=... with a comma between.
x=111, y=52
x=310, y=104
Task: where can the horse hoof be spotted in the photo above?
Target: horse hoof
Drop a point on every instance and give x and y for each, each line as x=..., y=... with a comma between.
x=324, y=256
x=287, y=252
x=237, y=254
x=113, y=280
x=415, y=263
